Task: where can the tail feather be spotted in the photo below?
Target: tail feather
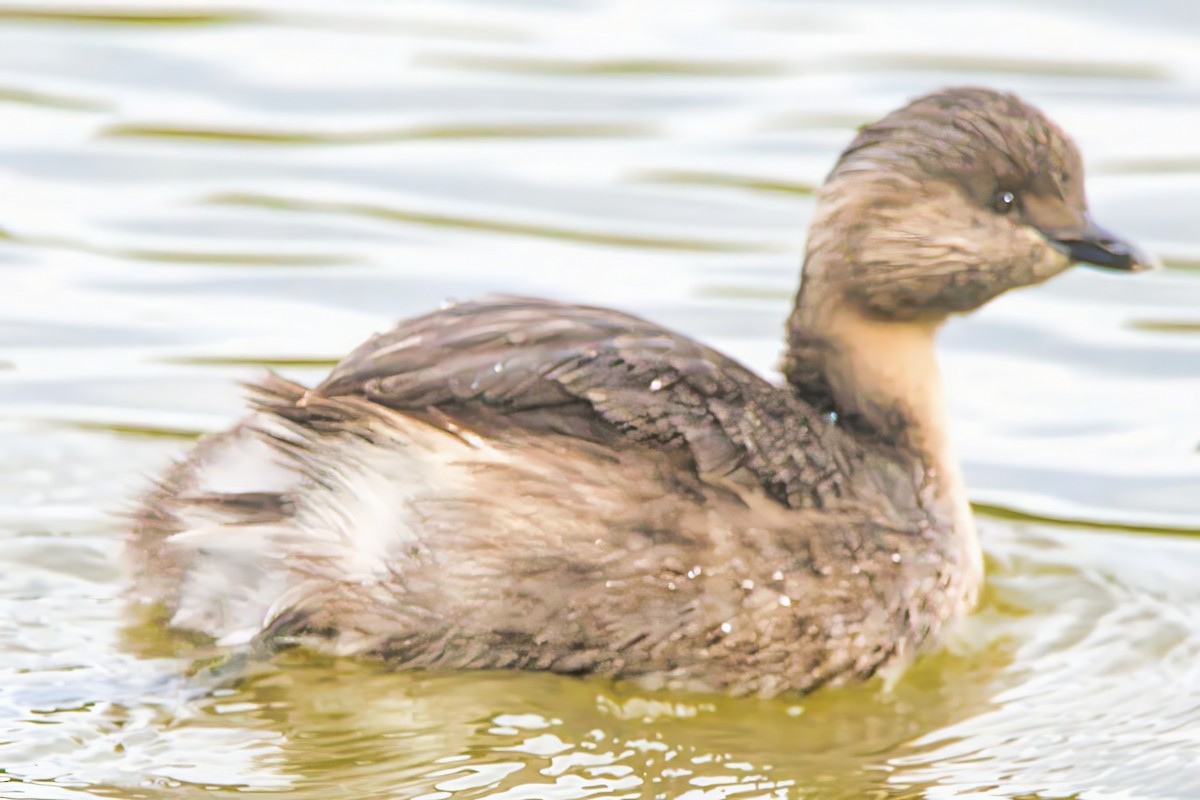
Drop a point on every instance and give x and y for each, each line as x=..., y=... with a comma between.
x=240, y=481
x=308, y=505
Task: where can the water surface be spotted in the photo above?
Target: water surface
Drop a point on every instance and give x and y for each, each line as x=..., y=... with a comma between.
x=194, y=192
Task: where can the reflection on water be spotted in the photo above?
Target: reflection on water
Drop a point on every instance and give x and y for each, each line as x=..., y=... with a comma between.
x=372, y=136
x=192, y=193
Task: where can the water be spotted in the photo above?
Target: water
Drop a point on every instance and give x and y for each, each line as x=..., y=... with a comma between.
x=190, y=192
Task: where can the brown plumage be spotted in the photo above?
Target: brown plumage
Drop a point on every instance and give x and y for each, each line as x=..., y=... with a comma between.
x=518, y=483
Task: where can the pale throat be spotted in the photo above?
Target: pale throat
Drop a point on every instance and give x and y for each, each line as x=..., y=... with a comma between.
x=884, y=379
x=886, y=375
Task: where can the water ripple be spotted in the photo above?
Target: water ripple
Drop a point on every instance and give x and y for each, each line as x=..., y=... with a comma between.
x=196, y=192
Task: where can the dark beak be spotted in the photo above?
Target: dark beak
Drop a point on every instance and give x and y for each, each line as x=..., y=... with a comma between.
x=1091, y=244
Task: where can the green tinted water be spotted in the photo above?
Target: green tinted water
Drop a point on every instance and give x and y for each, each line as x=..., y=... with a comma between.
x=194, y=192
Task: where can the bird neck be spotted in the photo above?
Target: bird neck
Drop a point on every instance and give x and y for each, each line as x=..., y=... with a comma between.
x=881, y=379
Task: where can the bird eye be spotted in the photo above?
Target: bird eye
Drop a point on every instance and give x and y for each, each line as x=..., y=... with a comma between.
x=1004, y=202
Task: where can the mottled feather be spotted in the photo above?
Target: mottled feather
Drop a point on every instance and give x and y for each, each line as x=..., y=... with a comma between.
x=599, y=375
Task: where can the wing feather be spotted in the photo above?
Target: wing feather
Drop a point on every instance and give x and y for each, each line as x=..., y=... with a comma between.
x=612, y=378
